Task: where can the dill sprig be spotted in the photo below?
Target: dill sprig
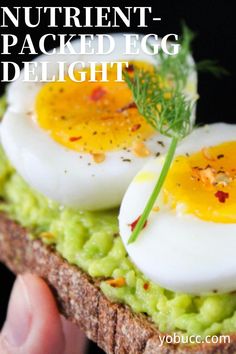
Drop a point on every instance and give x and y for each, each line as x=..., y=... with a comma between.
x=177, y=67
x=160, y=100
x=212, y=67
x=167, y=109
x=148, y=208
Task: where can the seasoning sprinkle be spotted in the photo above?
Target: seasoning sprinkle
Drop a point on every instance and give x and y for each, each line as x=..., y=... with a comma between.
x=222, y=196
x=140, y=149
x=97, y=94
x=130, y=68
x=135, y=127
x=134, y=223
x=207, y=154
x=75, y=138
x=98, y=157
x=220, y=156
x=127, y=106
x=116, y=283
x=161, y=143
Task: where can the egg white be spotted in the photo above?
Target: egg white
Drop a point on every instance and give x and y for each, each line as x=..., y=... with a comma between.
x=66, y=176
x=176, y=250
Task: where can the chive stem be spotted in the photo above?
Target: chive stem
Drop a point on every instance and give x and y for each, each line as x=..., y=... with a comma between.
x=148, y=208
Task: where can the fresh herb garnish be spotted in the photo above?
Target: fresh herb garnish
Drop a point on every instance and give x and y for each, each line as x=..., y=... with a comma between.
x=212, y=67
x=160, y=100
x=178, y=66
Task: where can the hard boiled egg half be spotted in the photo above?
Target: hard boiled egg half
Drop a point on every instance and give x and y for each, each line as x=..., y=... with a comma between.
x=81, y=143
x=189, y=241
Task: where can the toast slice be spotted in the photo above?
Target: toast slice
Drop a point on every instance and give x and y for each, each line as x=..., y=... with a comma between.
x=112, y=326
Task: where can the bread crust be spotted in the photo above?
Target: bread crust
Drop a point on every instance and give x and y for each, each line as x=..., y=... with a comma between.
x=112, y=326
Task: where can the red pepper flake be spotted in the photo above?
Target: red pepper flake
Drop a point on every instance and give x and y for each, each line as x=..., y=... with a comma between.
x=75, y=138
x=135, y=127
x=222, y=196
x=130, y=68
x=127, y=106
x=146, y=286
x=134, y=223
x=97, y=94
x=116, y=283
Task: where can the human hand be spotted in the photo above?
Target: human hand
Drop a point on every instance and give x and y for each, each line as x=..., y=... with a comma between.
x=34, y=325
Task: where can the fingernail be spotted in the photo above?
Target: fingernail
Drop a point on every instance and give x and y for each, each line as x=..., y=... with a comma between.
x=18, y=322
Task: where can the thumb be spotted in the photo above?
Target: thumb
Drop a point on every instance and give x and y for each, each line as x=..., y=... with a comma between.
x=33, y=324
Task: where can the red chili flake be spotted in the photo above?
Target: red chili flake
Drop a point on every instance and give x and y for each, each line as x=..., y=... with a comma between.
x=222, y=196
x=127, y=106
x=134, y=223
x=97, y=94
x=130, y=68
x=135, y=127
x=146, y=286
x=75, y=138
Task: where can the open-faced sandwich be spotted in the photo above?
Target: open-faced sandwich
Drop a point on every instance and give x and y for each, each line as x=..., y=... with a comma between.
x=164, y=263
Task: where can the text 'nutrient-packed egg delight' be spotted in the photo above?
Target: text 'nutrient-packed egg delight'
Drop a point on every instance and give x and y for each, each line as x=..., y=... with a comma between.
x=129, y=216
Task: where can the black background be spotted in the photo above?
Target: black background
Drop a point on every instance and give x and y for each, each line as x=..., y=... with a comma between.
x=212, y=20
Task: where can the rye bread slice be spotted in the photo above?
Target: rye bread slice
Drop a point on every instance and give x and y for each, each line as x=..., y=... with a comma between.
x=112, y=326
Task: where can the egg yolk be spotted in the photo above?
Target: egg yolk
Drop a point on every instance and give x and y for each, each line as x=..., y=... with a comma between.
x=92, y=117
x=204, y=183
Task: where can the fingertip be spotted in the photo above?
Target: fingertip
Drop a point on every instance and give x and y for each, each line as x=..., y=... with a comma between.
x=33, y=312
x=76, y=341
x=47, y=328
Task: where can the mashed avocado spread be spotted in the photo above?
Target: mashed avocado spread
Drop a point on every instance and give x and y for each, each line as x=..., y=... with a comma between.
x=91, y=241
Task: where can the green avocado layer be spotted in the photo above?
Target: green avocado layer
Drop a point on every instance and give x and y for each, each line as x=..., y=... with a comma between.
x=90, y=240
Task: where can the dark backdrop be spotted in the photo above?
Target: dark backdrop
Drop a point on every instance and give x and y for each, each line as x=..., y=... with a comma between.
x=212, y=20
